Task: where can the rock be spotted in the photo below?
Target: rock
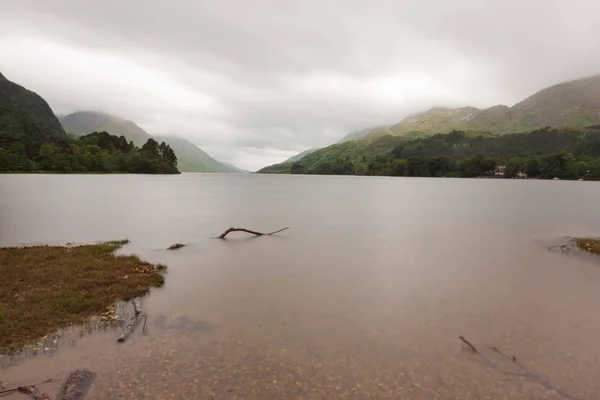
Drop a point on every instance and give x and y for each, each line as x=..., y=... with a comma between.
x=175, y=246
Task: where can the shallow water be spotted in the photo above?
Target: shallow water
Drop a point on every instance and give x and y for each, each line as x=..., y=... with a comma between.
x=364, y=297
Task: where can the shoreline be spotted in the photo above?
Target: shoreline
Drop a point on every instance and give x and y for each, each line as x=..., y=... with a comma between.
x=49, y=288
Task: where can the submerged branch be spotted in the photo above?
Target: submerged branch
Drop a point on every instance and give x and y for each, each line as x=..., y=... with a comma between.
x=23, y=387
x=510, y=366
x=228, y=231
x=74, y=387
x=468, y=344
x=576, y=244
x=565, y=248
x=134, y=322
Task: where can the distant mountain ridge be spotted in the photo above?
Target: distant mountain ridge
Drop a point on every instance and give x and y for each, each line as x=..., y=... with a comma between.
x=28, y=113
x=84, y=122
x=573, y=104
x=190, y=157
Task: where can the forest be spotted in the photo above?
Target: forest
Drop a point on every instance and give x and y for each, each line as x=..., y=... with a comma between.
x=98, y=152
x=546, y=153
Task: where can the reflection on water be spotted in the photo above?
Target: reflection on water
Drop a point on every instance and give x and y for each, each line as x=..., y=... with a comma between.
x=363, y=297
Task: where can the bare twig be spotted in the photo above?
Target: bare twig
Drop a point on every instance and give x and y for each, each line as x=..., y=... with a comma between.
x=248, y=231
x=23, y=387
x=34, y=392
x=468, y=344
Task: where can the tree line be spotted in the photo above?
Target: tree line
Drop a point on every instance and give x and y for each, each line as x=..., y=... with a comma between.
x=546, y=153
x=96, y=152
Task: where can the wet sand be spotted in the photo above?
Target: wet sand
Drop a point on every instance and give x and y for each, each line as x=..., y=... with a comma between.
x=180, y=365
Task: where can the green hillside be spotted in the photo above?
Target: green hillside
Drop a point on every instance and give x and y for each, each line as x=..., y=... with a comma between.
x=24, y=113
x=361, y=150
x=563, y=153
x=190, y=157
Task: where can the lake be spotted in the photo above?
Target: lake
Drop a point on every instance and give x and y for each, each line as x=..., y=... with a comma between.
x=364, y=297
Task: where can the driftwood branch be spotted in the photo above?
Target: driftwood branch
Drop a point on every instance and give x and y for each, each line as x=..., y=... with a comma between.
x=228, y=231
x=138, y=316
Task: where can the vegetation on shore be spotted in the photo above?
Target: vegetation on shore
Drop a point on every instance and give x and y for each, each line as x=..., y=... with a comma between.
x=96, y=152
x=546, y=153
x=590, y=245
x=45, y=288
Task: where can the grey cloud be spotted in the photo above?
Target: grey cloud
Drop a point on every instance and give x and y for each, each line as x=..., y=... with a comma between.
x=257, y=80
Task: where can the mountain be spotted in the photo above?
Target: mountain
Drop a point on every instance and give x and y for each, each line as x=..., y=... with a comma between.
x=25, y=113
x=359, y=134
x=83, y=122
x=190, y=158
x=355, y=135
x=234, y=168
x=574, y=104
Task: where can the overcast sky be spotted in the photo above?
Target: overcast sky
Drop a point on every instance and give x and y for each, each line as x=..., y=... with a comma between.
x=253, y=82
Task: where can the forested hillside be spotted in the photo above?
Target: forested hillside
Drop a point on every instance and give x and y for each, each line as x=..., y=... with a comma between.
x=24, y=113
x=96, y=152
x=545, y=153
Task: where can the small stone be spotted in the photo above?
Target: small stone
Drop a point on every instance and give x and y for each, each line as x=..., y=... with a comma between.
x=175, y=246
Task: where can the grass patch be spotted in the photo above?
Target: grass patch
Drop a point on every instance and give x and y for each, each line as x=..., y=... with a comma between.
x=590, y=245
x=48, y=287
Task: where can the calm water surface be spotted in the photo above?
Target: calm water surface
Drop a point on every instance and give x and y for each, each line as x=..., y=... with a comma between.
x=364, y=297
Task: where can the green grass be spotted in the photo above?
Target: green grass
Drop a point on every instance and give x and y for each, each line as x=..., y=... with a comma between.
x=45, y=288
x=590, y=245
